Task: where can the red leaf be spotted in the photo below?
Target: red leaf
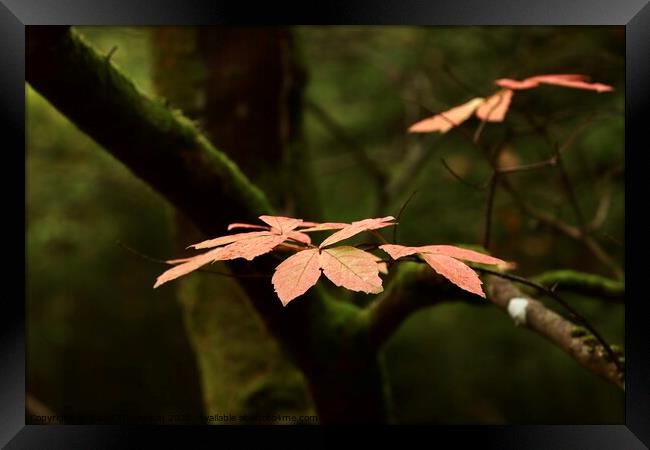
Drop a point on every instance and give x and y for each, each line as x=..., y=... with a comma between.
x=300, y=237
x=455, y=271
x=351, y=268
x=508, y=83
x=188, y=265
x=241, y=245
x=462, y=253
x=398, y=251
x=314, y=226
x=232, y=226
x=494, y=108
x=281, y=225
x=223, y=240
x=445, y=121
x=444, y=260
x=253, y=247
x=356, y=228
x=575, y=81
x=296, y=274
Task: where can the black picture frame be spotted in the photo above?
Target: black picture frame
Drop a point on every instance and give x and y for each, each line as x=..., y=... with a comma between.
x=15, y=15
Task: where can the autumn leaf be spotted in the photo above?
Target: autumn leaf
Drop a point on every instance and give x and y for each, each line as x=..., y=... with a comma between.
x=187, y=265
x=351, y=268
x=296, y=274
x=494, y=108
x=281, y=225
x=444, y=259
x=455, y=271
x=345, y=266
x=445, y=121
x=255, y=243
x=357, y=227
x=575, y=81
x=233, y=226
x=247, y=245
x=325, y=226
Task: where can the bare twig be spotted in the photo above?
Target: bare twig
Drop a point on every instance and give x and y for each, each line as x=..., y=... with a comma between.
x=569, y=190
x=488, y=210
x=564, y=228
x=399, y=215
x=459, y=178
x=358, y=151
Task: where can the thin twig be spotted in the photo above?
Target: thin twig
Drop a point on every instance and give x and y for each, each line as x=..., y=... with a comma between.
x=488, y=210
x=459, y=178
x=463, y=85
x=111, y=53
x=399, y=215
x=358, y=150
x=569, y=190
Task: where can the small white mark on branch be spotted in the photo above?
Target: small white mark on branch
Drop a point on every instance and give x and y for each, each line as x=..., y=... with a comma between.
x=517, y=310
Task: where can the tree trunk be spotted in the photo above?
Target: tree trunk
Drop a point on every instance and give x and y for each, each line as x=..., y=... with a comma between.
x=211, y=76
x=327, y=338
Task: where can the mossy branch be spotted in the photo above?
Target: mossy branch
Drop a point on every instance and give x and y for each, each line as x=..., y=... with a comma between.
x=416, y=286
x=157, y=143
x=558, y=330
x=583, y=283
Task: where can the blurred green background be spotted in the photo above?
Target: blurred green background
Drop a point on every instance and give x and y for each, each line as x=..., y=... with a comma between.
x=101, y=341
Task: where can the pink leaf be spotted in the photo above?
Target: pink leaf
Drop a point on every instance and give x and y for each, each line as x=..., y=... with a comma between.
x=300, y=237
x=495, y=107
x=444, y=260
x=223, y=240
x=399, y=251
x=179, y=260
x=356, y=228
x=281, y=225
x=313, y=226
x=253, y=247
x=232, y=226
x=462, y=253
x=516, y=84
x=188, y=266
x=445, y=121
x=351, y=268
x=455, y=271
x=576, y=84
x=575, y=81
x=296, y=274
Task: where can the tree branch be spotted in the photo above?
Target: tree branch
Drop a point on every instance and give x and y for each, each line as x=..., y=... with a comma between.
x=415, y=286
x=550, y=325
x=158, y=144
x=583, y=283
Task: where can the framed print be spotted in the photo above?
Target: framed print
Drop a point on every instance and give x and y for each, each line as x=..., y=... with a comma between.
x=411, y=214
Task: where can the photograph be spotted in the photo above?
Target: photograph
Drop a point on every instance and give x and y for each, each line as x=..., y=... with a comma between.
x=315, y=225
